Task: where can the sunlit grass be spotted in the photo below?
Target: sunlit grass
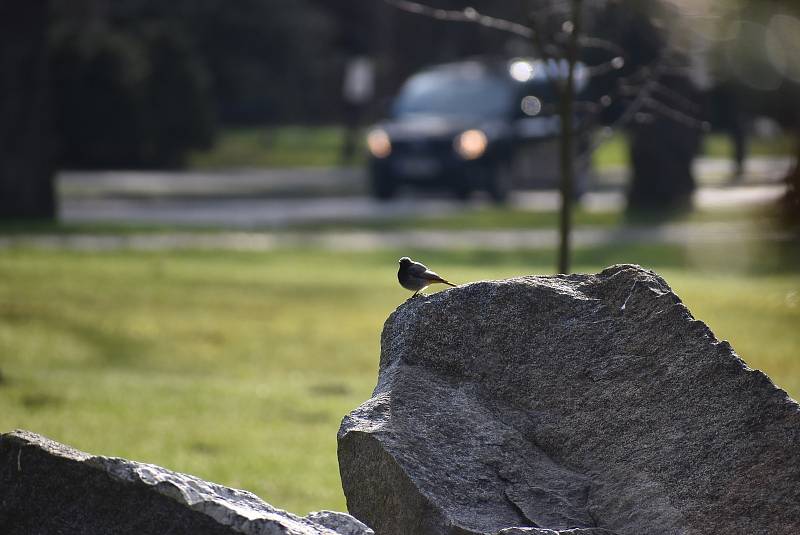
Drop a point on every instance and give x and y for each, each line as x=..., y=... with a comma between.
x=505, y=218
x=721, y=146
x=284, y=146
x=614, y=151
x=238, y=367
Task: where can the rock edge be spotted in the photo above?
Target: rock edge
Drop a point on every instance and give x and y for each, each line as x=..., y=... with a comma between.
x=568, y=404
x=47, y=487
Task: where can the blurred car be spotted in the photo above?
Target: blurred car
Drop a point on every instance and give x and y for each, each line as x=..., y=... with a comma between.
x=474, y=125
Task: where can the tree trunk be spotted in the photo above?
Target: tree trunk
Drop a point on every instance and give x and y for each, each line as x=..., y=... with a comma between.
x=791, y=200
x=567, y=142
x=661, y=160
x=27, y=165
x=662, y=150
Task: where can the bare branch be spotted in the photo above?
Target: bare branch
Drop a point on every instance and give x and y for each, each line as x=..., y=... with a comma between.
x=675, y=114
x=645, y=99
x=466, y=15
x=679, y=99
x=544, y=50
x=602, y=44
x=533, y=32
x=643, y=83
x=623, y=119
x=604, y=68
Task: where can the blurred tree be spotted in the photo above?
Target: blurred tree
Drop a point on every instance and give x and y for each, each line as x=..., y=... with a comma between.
x=139, y=83
x=26, y=137
x=557, y=36
x=655, y=98
x=178, y=98
x=269, y=60
x=128, y=95
x=637, y=79
x=142, y=82
x=758, y=52
x=400, y=43
x=100, y=75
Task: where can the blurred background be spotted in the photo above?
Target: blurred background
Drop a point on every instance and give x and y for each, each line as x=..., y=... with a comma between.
x=202, y=203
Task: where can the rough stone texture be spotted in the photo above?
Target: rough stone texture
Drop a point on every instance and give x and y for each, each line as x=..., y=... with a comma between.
x=341, y=523
x=582, y=404
x=49, y=488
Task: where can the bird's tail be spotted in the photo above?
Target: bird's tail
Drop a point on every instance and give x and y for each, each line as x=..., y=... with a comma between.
x=433, y=277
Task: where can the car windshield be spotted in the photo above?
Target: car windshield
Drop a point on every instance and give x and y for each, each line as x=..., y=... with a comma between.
x=468, y=91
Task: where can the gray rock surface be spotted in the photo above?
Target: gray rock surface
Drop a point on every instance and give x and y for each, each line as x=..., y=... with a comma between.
x=49, y=488
x=341, y=523
x=582, y=405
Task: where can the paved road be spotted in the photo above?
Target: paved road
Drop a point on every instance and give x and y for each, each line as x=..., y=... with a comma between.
x=281, y=183
x=241, y=201
x=275, y=198
x=317, y=182
x=253, y=213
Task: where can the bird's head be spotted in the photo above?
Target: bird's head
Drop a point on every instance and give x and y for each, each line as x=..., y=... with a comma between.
x=405, y=261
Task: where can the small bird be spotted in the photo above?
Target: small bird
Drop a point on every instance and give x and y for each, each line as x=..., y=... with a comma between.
x=415, y=276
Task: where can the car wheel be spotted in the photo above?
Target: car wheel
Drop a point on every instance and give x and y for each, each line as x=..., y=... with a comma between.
x=501, y=182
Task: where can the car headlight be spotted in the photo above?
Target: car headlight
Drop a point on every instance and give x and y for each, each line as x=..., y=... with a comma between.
x=379, y=143
x=471, y=144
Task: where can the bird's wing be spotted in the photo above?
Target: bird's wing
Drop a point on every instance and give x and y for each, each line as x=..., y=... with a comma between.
x=417, y=269
x=431, y=275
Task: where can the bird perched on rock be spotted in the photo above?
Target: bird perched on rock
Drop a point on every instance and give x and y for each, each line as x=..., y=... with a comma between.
x=415, y=276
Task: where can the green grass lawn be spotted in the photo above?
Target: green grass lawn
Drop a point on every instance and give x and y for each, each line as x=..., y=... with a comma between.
x=301, y=146
x=505, y=218
x=284, y=146
x=238, y=367
x=614, y=151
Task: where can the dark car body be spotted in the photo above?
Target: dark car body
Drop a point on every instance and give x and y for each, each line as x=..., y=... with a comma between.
x=443, y=115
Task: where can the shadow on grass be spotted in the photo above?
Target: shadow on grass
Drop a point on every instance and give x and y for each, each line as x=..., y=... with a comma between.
x=109, y=346
x=40, y=400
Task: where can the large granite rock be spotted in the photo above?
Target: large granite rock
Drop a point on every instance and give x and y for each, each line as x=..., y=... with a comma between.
x=580, y=404
x=49, y=488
